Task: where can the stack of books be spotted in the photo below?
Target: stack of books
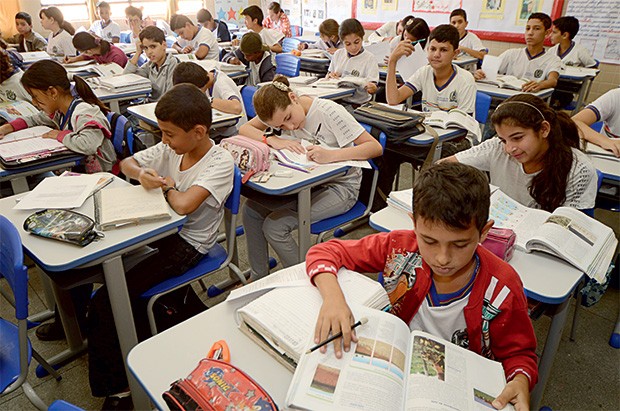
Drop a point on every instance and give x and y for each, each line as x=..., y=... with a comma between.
x=125, y=82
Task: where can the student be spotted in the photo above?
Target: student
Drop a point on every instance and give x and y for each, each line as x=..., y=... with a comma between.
x=562, y=34
x=439, y=278
x=606, y=108
x=160, y=65
x=532, y=62
x=386, y=32
x=92, y=48
x=277, y=20
x=79, y=123
x=27, y=39
x=535, y=159
x=254, y=21
x=197, y=40
x=59, y=40
x=11, y=89
x=195, y=176
x=329, y=40
x=218, y=27
x=105, y=28
x=469, y=43
x=221, y=90
x=256, y=56
x=354, y=61
x=136, y=22
x=419, y=30
x=271, y=221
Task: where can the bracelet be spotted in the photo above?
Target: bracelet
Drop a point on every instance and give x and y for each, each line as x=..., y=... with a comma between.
x=167, y=189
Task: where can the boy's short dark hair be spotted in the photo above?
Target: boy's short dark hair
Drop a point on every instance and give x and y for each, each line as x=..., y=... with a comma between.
x=351, y=26
x=567, y=24
x=453, y=194
x=178, y=21
x=103, y=5
x=203, y=15
x=152, y=33
x=185, y=106
x=187, y=72
x=254, y=13
x=546, y=20
x=22, y=15
x=458, y=12
x=445, y=33
x=133, y=11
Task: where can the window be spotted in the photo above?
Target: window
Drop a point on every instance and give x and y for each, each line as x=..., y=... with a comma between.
x=153, y=8
x=190, y=7
x=72, y=10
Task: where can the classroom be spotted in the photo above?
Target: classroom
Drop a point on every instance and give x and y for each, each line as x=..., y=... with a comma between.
x=360, y=204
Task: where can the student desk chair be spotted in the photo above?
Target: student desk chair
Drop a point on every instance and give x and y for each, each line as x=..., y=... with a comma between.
x=247, y=94
x=290, y=43
x=287, y=64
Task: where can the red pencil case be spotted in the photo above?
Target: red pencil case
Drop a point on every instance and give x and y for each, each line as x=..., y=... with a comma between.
x=501, y=242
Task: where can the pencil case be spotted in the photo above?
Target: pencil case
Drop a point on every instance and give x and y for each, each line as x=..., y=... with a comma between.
x=249, y=154
x=216, y=385
x=62, y=225
x=501, y=242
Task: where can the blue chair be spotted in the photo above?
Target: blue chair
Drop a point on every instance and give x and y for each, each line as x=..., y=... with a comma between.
x=125, y=36
x=483, y=105
x=247, y=94
x=288, y=65
x=60, y=405
x=289, y=44
x=357, y=212
x=598, y=126
x=15, y=348
x=297, y=31
x=122, y=134
x=217, y=258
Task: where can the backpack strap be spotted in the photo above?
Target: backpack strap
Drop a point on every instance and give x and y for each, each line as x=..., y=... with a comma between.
x=431, y=152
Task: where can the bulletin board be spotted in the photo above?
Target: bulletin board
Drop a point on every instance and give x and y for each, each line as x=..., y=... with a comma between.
x=599, y=30
x=501, y=20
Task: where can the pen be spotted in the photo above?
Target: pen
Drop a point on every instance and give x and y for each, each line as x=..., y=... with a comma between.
x=316, y=134
x=362, y=321
x=293, y=167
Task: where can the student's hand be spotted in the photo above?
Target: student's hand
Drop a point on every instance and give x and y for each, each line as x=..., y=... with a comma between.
x=234, y=60
x=139, y=47
x=319, y=155
x=371, y=87
x=404, y=48
x=333, y=75
x=332, y=50
x=235, y=42
x=607, y=144
x=516, y=392
x=531, y=86
x=479, y=74
x=68, y=59
x=5, y=129
x=51, y=134
x=149, y=178
x=187, y=49
x=169, y=182
x=281, y=144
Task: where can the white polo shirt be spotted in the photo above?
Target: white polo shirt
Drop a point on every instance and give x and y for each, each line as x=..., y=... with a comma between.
x=459, y=92
x=471, y=41
x=203, y=37
x=225, y=88
x=362, y=65
x=270, y=36
x=607, y=109
x=576, y=55
x=519, y=63
x=106, y=31
x=60, y=44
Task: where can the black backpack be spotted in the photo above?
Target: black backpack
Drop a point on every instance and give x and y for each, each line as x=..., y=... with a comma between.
x=397, y=125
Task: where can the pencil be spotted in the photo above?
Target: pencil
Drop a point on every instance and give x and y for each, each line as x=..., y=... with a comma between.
x=363, y=320
x=293, y=167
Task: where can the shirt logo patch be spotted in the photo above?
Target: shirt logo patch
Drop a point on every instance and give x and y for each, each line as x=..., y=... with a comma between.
x=355, y=73
x=538, y=73
x=453, y=96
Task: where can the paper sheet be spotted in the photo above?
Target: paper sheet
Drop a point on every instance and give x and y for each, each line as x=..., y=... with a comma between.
x=59, y=192
x=380, y=50
x=490, y=66
x=406, y=66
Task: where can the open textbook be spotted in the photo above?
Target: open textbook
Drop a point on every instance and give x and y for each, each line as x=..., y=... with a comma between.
x=392, y=368
x=117, y=207
x=11, y=110
x=454, y=118
x=506, y=81
x=282, y=320
x=566, y=233
x=596, y=150
x=296, y=160
x=29, y=143
x=347, y=81
x=125, y=82
x=101, y=70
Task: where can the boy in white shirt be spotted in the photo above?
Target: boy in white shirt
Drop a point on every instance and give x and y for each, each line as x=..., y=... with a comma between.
x=532, y=62
x=386, y=32
x=354, y=61
x=606, y=108
x=199, y=41
x=221, y=90
x=105, y=28
x=254, y=21
x=469, y=43
x=562, y=34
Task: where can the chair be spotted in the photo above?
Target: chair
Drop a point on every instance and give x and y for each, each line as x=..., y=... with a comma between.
x=15, y=348
x=247, y=94
x=217, y=258
x=125, y=36
x=122, y=134
x=288, y=65
x=483, y=105
x=289, y=44
x=357, y=212
x=60, y=405
x=297, y=31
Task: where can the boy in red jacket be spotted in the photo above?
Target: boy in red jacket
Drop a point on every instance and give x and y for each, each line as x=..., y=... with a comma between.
x=439, y=279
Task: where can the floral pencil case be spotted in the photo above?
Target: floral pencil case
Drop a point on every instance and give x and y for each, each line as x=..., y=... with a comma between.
x=62, y=225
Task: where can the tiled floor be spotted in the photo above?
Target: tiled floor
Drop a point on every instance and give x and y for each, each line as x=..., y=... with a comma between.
x=585, y=374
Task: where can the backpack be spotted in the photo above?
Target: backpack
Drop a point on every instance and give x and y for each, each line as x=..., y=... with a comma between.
x=122, y=135
x=250, y=156
x=397, y=125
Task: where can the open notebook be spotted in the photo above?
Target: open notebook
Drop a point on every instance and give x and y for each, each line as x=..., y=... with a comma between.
x=117, y=207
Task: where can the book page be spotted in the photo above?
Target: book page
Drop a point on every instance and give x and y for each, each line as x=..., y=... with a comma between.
x=130, y=204
x=59, y=192
x=490, y=66
x=293, y=276
x=371, y=376
x=301, y=160
x=28, y=143
x=510, y=82
x=594, y=149
x=444, y=376
x=14, y=109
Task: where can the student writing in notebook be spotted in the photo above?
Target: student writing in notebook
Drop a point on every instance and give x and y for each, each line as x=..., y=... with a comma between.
x=27, y=39
x=94, y=48
x=329, y=39
x=272, y=220
x=605, y=108
x=192, y=39
x=79, y=122
x=439, y=278
x=196, y=177
x=59, y=40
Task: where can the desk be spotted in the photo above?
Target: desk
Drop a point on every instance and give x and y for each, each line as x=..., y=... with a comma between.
x=17, y=177
x=308, y=38
x=581, y=76
x=55, y=256
x=155, y=363
x=466, y=62
x=114, y=97
x=504, y=93
x=545, y=278
x=146, y=113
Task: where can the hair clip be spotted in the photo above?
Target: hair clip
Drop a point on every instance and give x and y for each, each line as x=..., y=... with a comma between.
x=281, y=86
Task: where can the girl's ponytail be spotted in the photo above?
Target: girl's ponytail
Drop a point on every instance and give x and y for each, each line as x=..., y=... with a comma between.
x=86, y=94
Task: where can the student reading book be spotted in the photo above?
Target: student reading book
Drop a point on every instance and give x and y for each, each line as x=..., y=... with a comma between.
x=329, y=39
x=255, y=56
x=439, y=279
x=199, y=41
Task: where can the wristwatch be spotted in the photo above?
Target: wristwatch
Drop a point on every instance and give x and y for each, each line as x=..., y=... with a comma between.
x=167, y=189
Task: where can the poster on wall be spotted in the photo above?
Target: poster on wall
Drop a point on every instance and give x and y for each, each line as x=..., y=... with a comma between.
x=599, y=30
x=369, y=6
x=292, y=8
x=389, y=5
x=313, y=14
x=435, y=6
x=525, y=8
x=492, y=9
x=230, y=11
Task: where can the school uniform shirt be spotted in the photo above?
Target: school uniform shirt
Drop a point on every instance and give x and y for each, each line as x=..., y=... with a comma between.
x=204, y=37
x=519, y=63
x=114, y=55
x=84, y=129
x=221, y=31
x=322, y=45
x=510, y=339
x=12, y=89
x=60, y=44
x=363, y=65
x=576, y=55
x=471, y=41
x=270, y=36
x=106, y=30
x=607, y=109
x=459, y=92
x=283, y=25
x=508, y=174
x=161, y=78
x=225, y=88
x=387, y=30
x=213, y=172
x=394, y=42
x=331, y=124
x=264, y=70
x=32, y=41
